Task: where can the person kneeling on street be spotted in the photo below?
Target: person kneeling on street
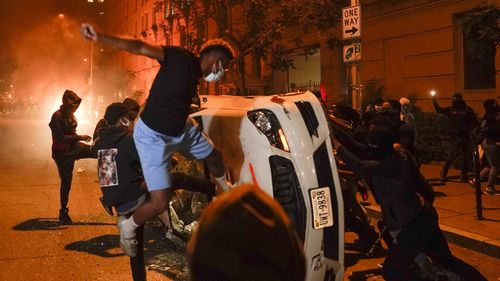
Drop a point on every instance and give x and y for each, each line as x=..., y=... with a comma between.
x=411, y=221
x=120, y=176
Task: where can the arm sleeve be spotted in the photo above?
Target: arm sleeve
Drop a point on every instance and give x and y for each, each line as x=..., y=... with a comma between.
x=440, y=110
x=472, y=118
x=363, y=168
x=58, y=132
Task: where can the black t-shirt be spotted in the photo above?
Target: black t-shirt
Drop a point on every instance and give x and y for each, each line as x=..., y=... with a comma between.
x=175, y=84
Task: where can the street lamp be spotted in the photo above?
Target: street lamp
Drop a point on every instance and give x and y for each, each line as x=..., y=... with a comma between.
x=91, y=73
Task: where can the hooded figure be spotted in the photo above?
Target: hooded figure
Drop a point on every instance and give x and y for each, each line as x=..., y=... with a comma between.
x=63, y=125
x=412, y=222
x=462, y=121
x=66, y=147
x=133, y=108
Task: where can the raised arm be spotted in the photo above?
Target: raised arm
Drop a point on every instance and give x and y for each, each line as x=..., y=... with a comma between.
x=133, y=46
x=439, y=109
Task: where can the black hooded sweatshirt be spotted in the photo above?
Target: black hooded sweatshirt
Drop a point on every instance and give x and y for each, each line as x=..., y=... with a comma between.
x=119, y=168
x=63, y=126
x=461, y=118
x=129, y=103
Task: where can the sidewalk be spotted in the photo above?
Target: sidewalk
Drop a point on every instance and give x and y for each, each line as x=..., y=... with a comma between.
x=456, y=206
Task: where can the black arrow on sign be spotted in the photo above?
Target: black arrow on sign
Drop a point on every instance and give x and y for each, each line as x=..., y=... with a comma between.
x=352, y=30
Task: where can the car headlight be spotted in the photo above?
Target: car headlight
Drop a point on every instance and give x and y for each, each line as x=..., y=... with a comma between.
x=267, y=123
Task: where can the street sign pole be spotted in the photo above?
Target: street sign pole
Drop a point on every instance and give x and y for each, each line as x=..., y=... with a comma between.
x=351, y=29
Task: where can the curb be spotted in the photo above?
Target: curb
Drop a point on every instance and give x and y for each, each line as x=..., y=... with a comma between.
x=462, y=238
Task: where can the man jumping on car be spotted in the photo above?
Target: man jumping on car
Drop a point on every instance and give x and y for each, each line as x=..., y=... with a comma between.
x=164, y=126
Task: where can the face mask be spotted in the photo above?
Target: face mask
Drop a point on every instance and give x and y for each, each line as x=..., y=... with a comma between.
x=216, y=74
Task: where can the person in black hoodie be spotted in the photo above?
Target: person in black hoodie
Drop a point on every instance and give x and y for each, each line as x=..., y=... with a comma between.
x=412, y=222
x=132, y=114
x=120, y=175
x=67, y=148
x=462, y=121
x=121, y=179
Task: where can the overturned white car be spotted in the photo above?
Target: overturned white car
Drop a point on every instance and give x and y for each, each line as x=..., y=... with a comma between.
x=282, y=143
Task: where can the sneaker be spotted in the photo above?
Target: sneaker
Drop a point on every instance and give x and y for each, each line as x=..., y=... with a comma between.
x=169, y=233
x=64, y=217
x=128, y=242
x=491, y=190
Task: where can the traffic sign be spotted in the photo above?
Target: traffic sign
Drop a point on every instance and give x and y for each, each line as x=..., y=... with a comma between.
x=352, y=52
x=351, y=22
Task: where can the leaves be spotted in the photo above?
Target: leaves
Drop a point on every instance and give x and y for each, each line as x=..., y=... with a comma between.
x=482, y=24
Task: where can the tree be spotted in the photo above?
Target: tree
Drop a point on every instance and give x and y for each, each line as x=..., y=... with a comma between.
x=184, y=15
x=482, y=24
x=263, y=29
x=257, y=28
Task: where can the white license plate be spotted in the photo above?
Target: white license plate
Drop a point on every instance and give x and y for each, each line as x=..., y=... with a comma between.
x=322, y=207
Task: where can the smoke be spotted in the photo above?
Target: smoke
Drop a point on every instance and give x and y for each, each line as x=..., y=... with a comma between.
x=50, y=58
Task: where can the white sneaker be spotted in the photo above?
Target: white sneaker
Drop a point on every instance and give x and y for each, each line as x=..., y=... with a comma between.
x=128, y=242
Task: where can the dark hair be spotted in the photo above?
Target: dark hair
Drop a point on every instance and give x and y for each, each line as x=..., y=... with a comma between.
x=240, y=232
x=489, y=105
x=114, y=111
x=395, y=104
x=218, y=48
x=458, y=96
x=381, y=141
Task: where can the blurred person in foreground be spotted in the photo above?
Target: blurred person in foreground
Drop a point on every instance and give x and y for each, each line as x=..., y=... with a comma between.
x=245, y=235
x=67, y=147
x=462, y=121
x=411, y=220
x=164, y=126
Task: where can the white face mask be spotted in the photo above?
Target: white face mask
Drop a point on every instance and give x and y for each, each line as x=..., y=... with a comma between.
x=216, y=74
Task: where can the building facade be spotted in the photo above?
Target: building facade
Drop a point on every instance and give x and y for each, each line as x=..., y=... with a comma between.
x=408, y=49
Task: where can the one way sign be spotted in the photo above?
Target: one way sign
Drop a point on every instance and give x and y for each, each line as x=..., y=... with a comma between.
x=351, y=22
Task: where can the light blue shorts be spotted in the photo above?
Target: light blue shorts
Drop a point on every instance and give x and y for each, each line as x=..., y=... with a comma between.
x=156, y=149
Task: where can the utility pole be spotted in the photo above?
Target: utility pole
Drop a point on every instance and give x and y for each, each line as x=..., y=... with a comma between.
x=91, y=74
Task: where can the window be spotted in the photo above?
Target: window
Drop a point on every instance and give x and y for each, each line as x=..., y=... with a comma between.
x=479, y=64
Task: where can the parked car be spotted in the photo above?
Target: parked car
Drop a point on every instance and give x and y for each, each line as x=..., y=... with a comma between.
x=282, y=144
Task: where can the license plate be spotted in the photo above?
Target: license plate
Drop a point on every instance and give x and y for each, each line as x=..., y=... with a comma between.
x=322, y=207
